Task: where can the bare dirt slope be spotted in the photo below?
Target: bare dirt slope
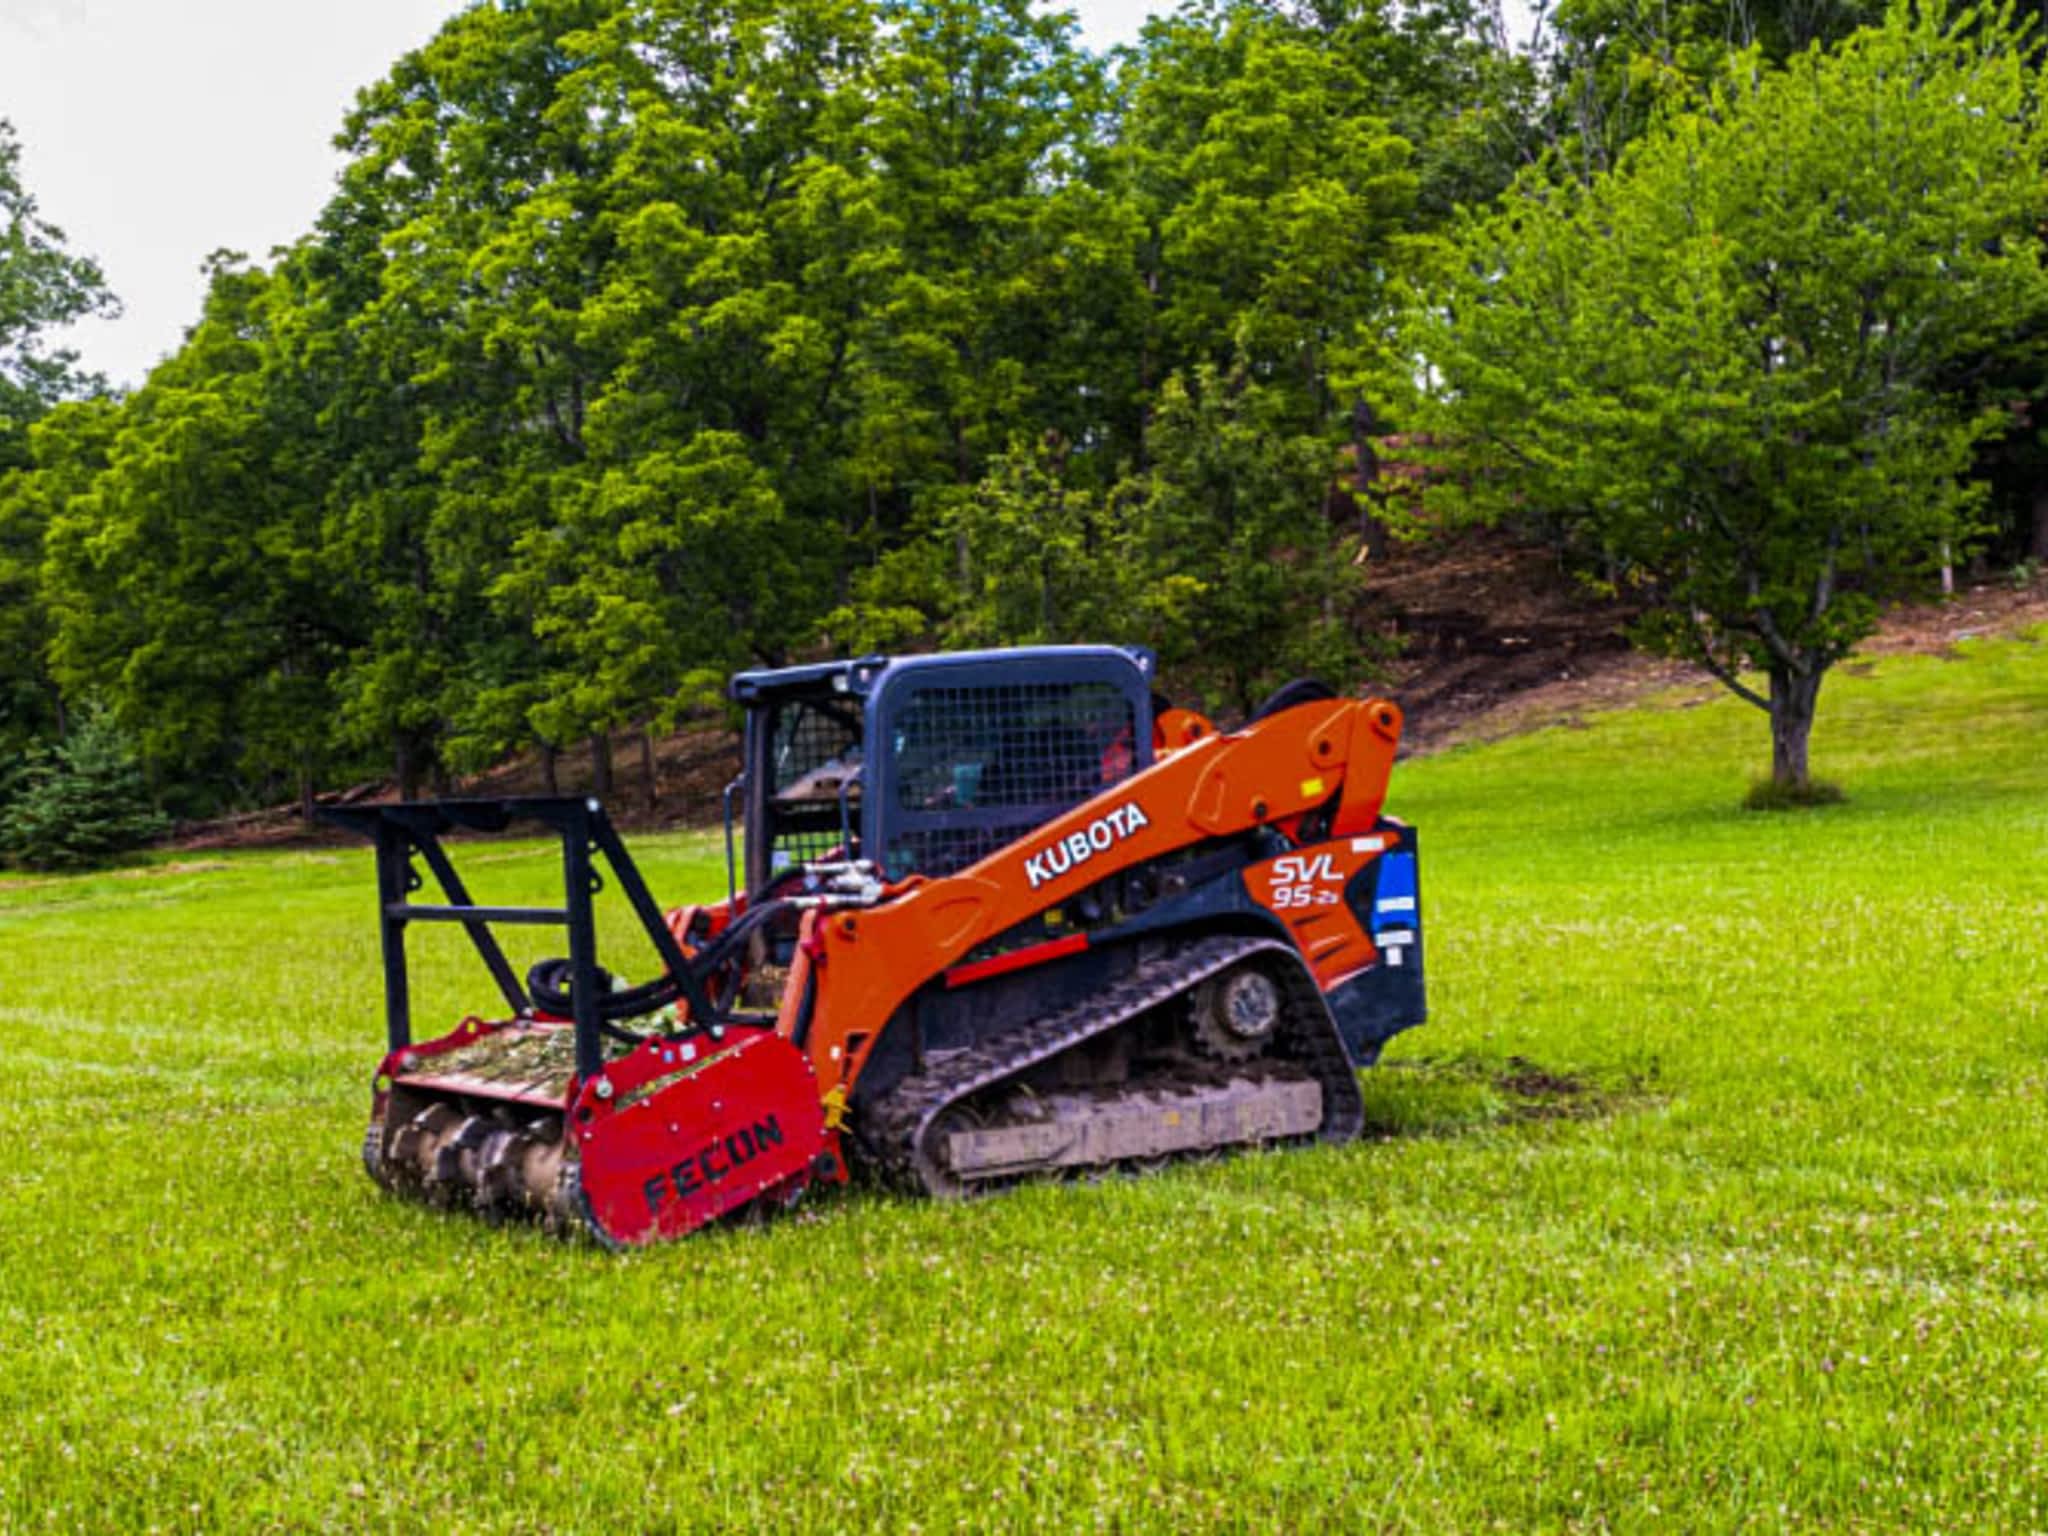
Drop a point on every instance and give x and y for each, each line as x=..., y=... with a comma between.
x=1500, y=641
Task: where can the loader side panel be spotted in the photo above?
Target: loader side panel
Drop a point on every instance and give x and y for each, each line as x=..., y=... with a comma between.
x=1350, y=907
x=1353, y=906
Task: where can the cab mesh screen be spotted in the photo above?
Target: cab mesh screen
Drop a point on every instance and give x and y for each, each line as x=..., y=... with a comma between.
x=817, y=750
x=974, y=767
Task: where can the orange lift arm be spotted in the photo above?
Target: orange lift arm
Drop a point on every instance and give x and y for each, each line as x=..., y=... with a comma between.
x=1271, y=772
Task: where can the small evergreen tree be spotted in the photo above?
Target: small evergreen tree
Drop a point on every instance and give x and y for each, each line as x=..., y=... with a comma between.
x=80, y=804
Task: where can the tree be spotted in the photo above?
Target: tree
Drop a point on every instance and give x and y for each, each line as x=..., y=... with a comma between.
x=42, y=287
x=80, y=803
x=1273, y=192
x=1218, y=555
x=1043, y=560
x=67, y=448
x=1276, y=195
x=646, y=338
x=1614, y=64
x=183, y=571
x=1239, y=580
x=1728, y=363
x=649, y=575
x=998, y=266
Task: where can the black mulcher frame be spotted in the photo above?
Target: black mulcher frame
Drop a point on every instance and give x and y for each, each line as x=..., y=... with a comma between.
x=401, y=832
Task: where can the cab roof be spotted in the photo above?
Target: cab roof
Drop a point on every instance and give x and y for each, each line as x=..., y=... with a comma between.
x=859, y=676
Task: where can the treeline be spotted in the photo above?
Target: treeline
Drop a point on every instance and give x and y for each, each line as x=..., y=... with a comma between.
x=646, y=339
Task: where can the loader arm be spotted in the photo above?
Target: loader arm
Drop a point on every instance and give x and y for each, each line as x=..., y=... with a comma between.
x=1329, y=754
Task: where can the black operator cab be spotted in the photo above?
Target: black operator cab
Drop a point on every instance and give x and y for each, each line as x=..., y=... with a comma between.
x=926, y=764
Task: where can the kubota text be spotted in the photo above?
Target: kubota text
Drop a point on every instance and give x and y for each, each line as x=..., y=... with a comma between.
x=1099, y=836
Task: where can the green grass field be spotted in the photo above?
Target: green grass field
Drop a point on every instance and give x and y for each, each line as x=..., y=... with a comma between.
x=1713, y=1195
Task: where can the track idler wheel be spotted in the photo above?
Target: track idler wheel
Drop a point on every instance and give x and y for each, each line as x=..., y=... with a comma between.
x=1236, y=1014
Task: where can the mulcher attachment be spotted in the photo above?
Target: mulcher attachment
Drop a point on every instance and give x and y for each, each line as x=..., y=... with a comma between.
x=668, y=1137
x=450, y=1157
x=474, y=1121
x=578, y=1122
x=675, y=1145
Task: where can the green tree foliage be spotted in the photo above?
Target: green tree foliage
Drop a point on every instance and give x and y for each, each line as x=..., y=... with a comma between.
x=1270, y=198
x=643, y=339
x=65, y=448
x=1219, y=555
x=1274, y=192
x=463, y=389
x=42, y=287
x=1043, y=557
x=1243, y=584
x=80, y=804
x=644, y=576
x=184, y=575
x=686, y=249
x=1724, y=363
x=1614, y=64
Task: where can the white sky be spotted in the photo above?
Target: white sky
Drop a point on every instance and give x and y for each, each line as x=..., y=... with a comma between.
x=157, y=131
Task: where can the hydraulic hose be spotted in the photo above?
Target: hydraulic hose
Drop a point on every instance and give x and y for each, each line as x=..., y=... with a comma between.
x=548, y=983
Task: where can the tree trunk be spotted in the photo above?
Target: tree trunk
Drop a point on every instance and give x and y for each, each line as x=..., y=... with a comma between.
x=650, y=781
x=601, y=765
x=306, y=790
x=549, y=771
x=2037, y=546
x=1365, y=474
x=1793, y=698
x=407, y=767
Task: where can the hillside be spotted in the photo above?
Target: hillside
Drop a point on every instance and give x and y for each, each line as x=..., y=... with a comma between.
x=1711, y=1192
x=1496, y=640
x=1492, y=639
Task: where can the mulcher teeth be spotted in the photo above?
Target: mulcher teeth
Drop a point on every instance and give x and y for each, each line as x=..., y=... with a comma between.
x=500, y=1186
x=450, y=1175
x=446, y=1158
x=411, y=1153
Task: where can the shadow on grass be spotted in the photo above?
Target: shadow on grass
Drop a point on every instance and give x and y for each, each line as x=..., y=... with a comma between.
x=1450, y=1096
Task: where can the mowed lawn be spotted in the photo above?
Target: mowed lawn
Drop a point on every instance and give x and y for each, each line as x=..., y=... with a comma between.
x=1712, y=1194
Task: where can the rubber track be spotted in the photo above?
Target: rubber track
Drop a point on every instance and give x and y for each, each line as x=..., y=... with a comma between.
x=902, y=1120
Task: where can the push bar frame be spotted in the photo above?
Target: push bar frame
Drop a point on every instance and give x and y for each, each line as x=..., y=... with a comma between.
x=401, y=831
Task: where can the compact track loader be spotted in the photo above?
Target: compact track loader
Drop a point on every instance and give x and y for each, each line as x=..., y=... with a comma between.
x=999, y=917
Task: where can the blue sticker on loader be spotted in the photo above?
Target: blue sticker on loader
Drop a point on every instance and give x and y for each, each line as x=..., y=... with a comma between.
x=1394, y=900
